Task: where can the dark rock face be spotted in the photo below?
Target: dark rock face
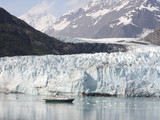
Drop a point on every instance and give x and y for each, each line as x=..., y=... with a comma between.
x=99, y=47
x=18, y=38
x=119, y=32
x=110, y=18
x=154, y=37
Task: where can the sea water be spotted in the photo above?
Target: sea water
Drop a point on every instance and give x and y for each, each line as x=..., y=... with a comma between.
x=26, y=107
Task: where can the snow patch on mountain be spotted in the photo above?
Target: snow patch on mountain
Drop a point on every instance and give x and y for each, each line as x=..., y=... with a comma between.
x=122, y=6
x=94, y=2
x=124, y=20
x=145, y=33
x=98, y=13
x=75, y=26
x=149, y=7
x=68, y=13
x=63, y=24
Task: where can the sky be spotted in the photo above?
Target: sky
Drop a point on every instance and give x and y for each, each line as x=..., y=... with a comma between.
x=56, y=7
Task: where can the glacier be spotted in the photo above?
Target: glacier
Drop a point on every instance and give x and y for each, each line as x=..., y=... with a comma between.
x=134, y=73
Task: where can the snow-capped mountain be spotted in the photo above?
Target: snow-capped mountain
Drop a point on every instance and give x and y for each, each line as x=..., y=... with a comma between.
x=40, y=22
x=39, y=17
x=109, y=18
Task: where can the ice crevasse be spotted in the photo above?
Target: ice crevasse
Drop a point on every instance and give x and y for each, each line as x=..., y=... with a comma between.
x=132, y=73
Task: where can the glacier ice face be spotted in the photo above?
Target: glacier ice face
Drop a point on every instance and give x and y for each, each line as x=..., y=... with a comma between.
x=133, y=73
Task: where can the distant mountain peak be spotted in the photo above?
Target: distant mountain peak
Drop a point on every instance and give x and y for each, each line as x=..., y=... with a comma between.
x=39, y=16
x=108, y=18
x=41, y=21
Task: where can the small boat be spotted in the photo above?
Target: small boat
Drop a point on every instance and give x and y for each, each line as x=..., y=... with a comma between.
x=59, y=99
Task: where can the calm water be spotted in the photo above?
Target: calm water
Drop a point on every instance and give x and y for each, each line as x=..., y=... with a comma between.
x=25, y=107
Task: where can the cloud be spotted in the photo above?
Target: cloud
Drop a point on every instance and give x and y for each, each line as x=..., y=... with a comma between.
x=43, y=7
x=72, y=3
x=76, y=3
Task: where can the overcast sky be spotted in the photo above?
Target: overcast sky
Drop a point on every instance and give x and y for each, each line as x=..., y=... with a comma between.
x=56, y=7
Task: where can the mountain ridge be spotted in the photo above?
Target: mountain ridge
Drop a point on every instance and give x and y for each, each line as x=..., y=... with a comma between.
x=112, y=19
x=108, y=19
x=153, y=37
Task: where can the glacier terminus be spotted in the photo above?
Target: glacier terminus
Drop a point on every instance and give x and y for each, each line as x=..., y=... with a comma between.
x=132, y=73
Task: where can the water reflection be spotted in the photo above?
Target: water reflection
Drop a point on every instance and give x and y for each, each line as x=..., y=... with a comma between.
x=24, y=107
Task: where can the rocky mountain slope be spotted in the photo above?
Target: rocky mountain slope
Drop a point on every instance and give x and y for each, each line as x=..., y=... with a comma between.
x=18, y=38
x=109, y=18
x=154, y=37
